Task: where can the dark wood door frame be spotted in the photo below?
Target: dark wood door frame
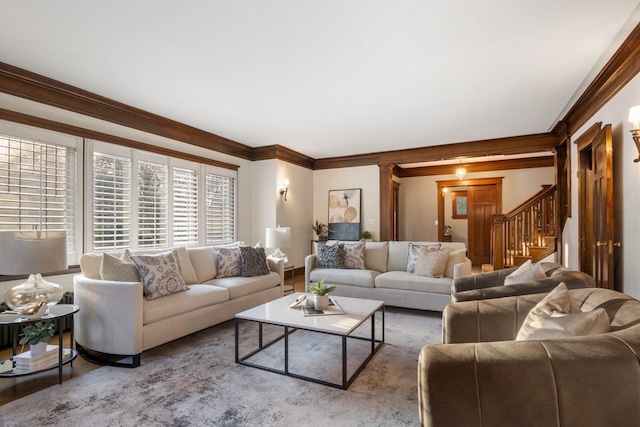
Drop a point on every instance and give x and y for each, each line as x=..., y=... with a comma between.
x=464, y=183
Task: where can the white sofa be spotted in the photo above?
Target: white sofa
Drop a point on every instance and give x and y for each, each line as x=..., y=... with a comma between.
x=115, y=319
x=385, y=277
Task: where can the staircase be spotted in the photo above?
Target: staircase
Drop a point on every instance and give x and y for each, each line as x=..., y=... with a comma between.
x=527, y=232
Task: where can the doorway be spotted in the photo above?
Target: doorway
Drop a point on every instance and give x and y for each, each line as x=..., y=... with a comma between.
x=484, y=199
x=595, y=204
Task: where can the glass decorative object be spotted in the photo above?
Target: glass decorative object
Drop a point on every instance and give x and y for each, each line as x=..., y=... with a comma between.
x=31, y=292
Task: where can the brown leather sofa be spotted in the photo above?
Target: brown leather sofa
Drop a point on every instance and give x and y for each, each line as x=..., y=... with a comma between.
x=491, y=284
x=480, y=376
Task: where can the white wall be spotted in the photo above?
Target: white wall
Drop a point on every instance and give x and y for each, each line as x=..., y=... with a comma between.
x=419, y=204
x=626, y=184
x=365, y=177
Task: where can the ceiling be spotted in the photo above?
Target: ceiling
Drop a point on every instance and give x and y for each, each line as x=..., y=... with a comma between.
x=327, y=78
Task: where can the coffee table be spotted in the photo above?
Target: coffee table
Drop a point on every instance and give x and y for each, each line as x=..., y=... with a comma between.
x=277, y=312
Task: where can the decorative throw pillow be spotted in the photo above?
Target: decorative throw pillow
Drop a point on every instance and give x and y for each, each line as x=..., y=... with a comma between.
x=330, y=256
x=455, y=257
x=185, y=266
x=253, y=261
x=159, y=275
x=525, y=273
x=115, y=269
x=431, y=262
x=414, y=251
x=229, y=264
x=354, y=255
x=558, y=315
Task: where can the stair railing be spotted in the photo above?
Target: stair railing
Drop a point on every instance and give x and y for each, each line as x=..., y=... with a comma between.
x=528, y=225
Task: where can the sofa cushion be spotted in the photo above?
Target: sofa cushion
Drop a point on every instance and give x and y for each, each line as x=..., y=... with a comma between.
x=337, y=276
x=90, y=264
x=229, y=264
x=117, y=270
x=196, y=297
x=558, y=315
x=253, y=261
x=431, y=263
x=205, y=263
x=239, y=286
x=525, y=273
x=416, y=251
x=354, y=255
x=159, y=275
x=376, y=255
x=330, y=256
x=455, y=257
x=184, y=265
x=410, y=282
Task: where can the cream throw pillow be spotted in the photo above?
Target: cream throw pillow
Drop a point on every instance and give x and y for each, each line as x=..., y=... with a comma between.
x=415, y=251
x=525, y=273
x=557, y=315
x=117, y=270
x=354, y=255
x=455, y=257
x=431, y=263
x=159, y=275
x=185, y=267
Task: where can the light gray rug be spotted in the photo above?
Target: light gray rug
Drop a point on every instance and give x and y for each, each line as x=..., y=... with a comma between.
x=195, y=381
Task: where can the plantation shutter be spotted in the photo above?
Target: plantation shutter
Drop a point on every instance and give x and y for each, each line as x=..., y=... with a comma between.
x=152, y=205
x=185, y=207
x=220, y=209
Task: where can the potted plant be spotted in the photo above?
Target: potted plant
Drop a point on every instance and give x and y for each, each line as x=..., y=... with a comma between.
x=320, y=293
x=37, y=335
x=321, y=230
x=447, y=230
x=365, y=236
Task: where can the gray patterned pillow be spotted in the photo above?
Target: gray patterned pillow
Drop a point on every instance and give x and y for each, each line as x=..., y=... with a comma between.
x=330, y=256
x=431, y=262
x=414, y=251
x=117, y=270
x=354, y=255
x=253, y=261
x=159, y=275
x=229, y=264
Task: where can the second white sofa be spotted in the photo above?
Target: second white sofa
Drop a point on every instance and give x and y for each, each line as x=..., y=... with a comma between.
x=385, y=276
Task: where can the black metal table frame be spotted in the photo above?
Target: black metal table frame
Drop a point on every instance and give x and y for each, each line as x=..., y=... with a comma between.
x=346, y=382
x=14, y=331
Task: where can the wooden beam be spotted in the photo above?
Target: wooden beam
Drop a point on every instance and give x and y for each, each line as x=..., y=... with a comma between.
x=496, y=165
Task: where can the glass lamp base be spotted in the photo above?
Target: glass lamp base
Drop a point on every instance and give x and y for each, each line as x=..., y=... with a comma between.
x=31, y=292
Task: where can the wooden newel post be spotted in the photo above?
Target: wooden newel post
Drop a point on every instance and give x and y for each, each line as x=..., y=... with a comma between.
x=497, y=242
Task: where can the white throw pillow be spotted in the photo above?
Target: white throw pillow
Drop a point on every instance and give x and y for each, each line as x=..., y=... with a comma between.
x=117, y=270
x=205, y=263
x=525, y=273
x=184, y=265
x=455, y=257
x=558, y=315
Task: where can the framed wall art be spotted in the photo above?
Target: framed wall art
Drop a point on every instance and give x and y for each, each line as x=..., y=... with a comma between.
x=344, y=214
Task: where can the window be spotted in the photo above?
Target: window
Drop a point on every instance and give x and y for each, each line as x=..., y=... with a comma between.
x=459, y=208
x=142, y=200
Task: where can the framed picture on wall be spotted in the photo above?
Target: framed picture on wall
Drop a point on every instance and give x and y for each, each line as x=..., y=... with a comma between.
x=344, y=214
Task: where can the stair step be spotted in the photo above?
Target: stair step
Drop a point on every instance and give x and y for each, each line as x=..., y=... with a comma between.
x=520, y=259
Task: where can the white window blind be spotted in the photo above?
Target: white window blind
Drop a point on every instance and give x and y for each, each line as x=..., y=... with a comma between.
x=37, y=187
x=111, y=202
x=185, y=207
x=152, y=205
x=220, y=209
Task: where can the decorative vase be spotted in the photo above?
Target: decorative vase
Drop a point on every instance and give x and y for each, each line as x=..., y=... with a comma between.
x=321, y=302
x=37, y=349
x=31, y=292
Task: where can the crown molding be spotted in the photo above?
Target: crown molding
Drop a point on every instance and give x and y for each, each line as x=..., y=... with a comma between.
x=283, y=153
x=496, y=165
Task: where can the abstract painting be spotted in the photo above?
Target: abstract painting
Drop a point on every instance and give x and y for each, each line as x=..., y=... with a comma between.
x=344, y=214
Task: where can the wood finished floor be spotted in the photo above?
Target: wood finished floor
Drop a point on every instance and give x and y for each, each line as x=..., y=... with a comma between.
x=15, y=388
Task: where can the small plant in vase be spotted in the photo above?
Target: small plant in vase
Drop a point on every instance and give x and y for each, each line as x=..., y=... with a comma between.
x=365, y=236
x=320, y=293
x=37, y=335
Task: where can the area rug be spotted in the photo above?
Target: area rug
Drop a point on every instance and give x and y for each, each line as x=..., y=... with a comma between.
x=194, y=381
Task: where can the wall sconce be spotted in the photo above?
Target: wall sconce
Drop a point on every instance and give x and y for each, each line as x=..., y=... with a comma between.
x=634, y=117
x=285, y=188
x=461, y=172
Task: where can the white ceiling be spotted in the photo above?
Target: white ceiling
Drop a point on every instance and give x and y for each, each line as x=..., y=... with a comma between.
x=327, y=78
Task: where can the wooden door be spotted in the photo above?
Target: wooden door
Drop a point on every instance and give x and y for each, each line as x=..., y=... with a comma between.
x=482, y=204
x=597, y=241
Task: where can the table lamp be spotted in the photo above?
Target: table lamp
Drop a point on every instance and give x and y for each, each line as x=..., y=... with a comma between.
x=279, y=237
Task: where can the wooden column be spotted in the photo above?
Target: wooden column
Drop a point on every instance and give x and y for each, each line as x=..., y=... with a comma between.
x=386, y=201
x=497, y=252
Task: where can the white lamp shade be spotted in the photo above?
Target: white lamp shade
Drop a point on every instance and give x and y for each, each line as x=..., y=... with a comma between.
x=279, y=237
x=26, y=252
x=634, y=116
